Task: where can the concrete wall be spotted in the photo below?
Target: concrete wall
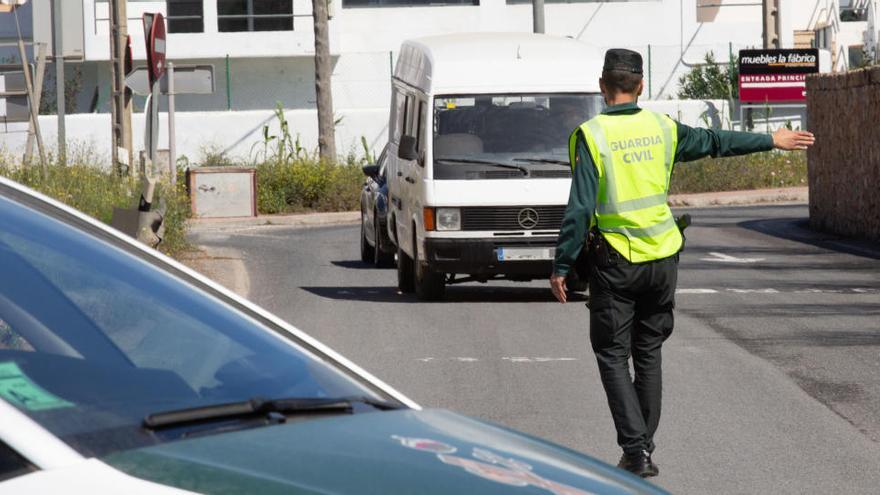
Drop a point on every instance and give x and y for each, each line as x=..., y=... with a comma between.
x=238, y=134
x=844, y=165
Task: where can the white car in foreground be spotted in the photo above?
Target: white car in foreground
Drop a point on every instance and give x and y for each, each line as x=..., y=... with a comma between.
x=123, y=372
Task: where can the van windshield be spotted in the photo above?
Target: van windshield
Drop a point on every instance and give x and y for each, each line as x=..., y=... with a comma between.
x=507, y=135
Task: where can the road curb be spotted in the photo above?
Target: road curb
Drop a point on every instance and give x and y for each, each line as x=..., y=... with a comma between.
x=741, y=198
x=300, y=220
x=307, y=220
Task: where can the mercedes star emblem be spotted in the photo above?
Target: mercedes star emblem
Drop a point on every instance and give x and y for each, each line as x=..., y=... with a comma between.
x=528, y=218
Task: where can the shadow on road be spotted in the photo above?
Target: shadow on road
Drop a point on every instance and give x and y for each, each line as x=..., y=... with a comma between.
x=356, y=265
x=798, y=230
x=461, y=294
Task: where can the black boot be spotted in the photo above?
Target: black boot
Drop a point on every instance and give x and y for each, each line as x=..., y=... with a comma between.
x=639, y=463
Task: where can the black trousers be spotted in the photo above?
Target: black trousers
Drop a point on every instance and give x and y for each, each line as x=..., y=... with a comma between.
x=631, y=315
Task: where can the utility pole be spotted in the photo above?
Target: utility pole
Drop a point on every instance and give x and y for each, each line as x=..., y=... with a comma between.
x=538, y=16
x=60, y=96
x=120, y=100
x=771, y=23
x=326, y=131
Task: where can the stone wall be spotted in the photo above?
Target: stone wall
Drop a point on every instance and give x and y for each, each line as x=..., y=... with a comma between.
x=844, y=164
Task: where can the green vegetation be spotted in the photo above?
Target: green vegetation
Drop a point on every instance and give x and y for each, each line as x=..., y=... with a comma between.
x=712, y=80
x=757, y=171
x=96, y=191
x=308, y=184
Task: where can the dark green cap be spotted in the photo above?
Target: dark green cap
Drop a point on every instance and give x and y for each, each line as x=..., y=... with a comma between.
x=624, y=60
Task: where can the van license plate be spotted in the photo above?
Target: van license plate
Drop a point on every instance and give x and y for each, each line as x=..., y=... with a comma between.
x=525, y=254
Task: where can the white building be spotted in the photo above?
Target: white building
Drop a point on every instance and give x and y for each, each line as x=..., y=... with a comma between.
x=262, y=50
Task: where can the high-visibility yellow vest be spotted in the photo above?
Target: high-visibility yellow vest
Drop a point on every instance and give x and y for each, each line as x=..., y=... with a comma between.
x=633, y=156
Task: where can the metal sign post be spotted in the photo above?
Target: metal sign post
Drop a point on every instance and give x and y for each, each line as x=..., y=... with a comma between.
x=154, y=30
x=172, y=141
x=60, y=96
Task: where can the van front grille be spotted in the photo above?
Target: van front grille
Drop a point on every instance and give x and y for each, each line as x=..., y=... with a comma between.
x=507, y=217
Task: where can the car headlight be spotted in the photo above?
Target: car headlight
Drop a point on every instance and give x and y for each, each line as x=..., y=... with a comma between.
x=448, y=219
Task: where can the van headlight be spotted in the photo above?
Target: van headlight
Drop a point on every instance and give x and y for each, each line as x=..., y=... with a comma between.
x=448, y=219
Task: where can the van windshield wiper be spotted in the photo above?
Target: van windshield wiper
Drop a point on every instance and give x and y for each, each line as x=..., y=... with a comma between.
x=544, y=160
x=257, y=406
x=524, y=170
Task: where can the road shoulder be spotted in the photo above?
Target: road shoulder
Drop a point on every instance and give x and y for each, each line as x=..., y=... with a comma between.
x=306, y=220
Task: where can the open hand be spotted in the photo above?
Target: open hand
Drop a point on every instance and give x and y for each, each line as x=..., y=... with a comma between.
x=557, y=286
x=788, y=140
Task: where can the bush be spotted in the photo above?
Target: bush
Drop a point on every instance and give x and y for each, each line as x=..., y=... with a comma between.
x=757, y=171
x=96, y=191
x=710, y=81
x=308, y=184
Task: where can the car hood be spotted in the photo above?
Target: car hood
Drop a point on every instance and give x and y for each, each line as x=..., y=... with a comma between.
x=407, y=451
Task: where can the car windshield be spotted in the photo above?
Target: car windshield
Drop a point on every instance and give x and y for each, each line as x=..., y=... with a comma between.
x=530, y=131
x=93, y=338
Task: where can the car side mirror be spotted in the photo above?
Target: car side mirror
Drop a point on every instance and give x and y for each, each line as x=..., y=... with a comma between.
x=406, y=150
x=371, y=170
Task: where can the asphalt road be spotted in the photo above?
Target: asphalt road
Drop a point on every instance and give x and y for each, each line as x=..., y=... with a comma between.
x=772, y=376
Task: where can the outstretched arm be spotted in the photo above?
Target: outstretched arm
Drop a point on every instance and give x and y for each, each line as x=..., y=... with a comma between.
x=696, y=143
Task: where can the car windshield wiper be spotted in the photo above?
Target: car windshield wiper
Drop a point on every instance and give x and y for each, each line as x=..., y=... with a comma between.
x=543, y=160
x=524, y=170
x=258, y=406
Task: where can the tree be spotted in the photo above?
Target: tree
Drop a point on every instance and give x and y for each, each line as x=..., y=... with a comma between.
x=710, y=81
x=326, y=131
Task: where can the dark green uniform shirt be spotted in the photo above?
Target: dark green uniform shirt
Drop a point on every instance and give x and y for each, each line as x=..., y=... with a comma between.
x=693, y=144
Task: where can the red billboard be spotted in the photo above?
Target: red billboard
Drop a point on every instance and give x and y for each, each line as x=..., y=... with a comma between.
x=774, y=76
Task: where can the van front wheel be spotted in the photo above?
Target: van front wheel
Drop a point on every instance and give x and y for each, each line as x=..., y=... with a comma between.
x=429, y=285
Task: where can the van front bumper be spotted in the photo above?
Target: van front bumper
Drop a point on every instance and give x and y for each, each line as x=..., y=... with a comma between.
x=480, y=257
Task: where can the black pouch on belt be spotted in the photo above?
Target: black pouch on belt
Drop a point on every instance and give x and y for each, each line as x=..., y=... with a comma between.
x=582, y=263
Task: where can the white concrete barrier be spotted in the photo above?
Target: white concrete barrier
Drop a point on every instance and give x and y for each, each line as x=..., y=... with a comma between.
x=239, y=134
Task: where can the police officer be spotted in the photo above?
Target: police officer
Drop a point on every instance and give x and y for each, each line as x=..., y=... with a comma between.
x=622, y=161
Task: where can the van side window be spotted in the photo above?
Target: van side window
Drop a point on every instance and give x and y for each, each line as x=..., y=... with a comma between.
x=421, y=126
x=398, y=116
x=12, y=464
x=410, y=115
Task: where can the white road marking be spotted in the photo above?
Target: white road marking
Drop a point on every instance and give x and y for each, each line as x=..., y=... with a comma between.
x=753, y=291
x=696, y=291
x=726, y=258
x=514, y=359
x=770, y=290
x=523, y=359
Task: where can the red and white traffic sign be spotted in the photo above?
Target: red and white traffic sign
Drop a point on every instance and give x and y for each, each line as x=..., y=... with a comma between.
x=154, y=30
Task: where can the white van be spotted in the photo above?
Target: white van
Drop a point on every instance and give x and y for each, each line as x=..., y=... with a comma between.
x=478, y=164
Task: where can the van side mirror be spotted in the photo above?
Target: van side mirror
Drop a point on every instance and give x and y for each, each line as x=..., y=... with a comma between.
x=371, y=170
x=406, y=150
